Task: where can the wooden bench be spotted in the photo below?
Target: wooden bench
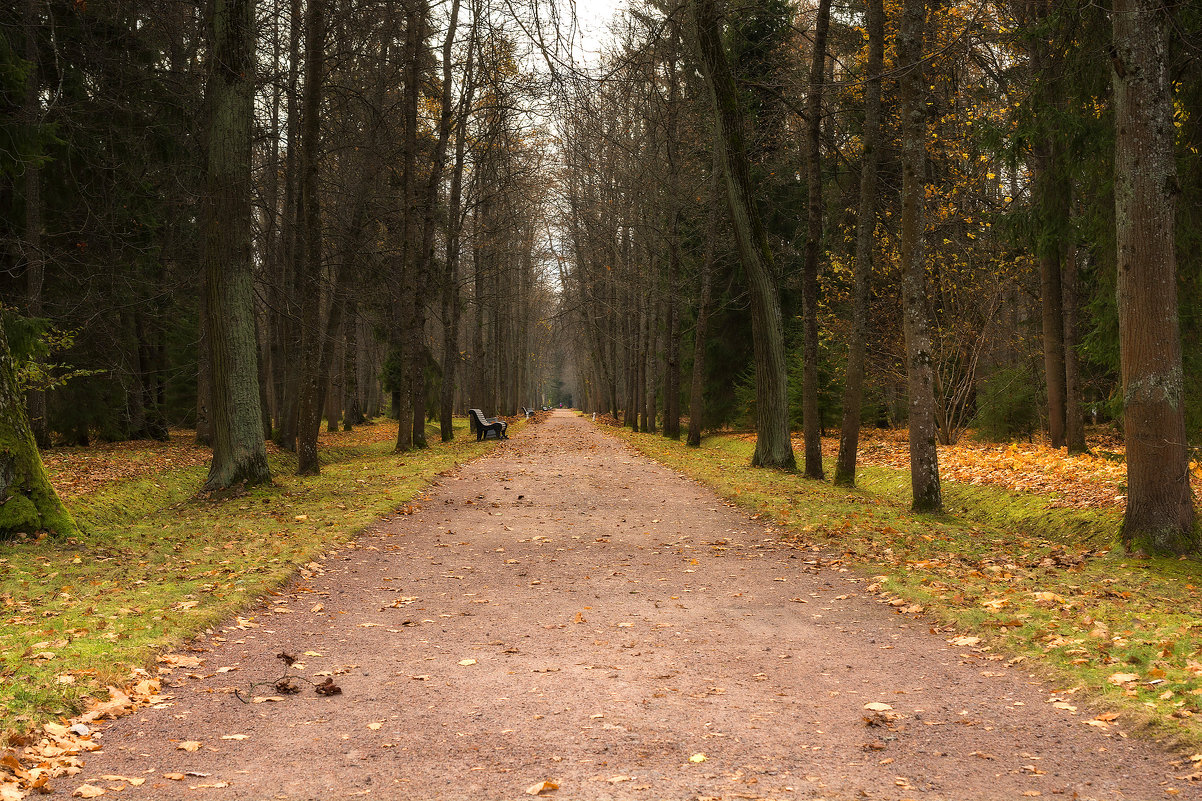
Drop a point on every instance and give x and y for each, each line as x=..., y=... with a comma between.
x=484, y=425
x=528, y=412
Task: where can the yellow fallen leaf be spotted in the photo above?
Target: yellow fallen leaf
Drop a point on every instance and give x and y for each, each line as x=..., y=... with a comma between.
x=317, y=607
x=234, y=736
x=877, y=706
x=375, y=726
x=130, y=780
x=964, y=641
x=87, y=791
x=262, y=699
x=541, y=787
x=697, y=758
x=189, y=745
x=1122, y=678
x=467, y=662
x=55, y=729
x=175, y=777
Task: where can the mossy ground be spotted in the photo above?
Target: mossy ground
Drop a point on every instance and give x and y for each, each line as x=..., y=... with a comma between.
x=158, y=564
x=1045, y=586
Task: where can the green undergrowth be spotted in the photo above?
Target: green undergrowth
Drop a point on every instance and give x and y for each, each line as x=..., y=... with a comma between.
x=159, y=564
x=1043, y=587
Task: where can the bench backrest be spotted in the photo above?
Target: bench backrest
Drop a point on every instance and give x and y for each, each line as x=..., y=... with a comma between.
x=477, y=417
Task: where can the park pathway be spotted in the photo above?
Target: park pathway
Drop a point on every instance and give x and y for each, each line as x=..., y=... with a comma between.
x=565, y=610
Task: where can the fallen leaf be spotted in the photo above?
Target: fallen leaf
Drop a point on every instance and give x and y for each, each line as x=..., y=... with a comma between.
x=130, y=780
x=964, y=640
x=214, y=786
x=87, y=791
x=698, y=758
x=263, y=699
x=541, y=787
x=1122, y=678
x=234, y=736
x=617, y=779
x=175, y=777
x=375, y=726
x=467, y=662
x=877, y=706
x=328, y=687
x=189, y=745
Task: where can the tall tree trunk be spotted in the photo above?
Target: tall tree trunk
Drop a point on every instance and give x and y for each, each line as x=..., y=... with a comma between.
x=28, y=503
x=204, y=370
x=1053, y=211
x=773, y=447
x=924, y=459
x=811, y=420
x=1074, y=429
x=1160, y=513
x=239, y=455
x=853, y=388
x=35, y=263
x=314, y=342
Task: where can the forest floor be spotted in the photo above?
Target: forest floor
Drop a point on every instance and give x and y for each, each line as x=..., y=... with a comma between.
x=565, y=617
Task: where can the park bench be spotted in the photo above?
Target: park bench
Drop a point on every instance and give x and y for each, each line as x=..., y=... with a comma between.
x=528, y=412
x=483, y=425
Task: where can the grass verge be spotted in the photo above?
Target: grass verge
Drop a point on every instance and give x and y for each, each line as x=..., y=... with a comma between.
x=1021, y=580
x=159, y=564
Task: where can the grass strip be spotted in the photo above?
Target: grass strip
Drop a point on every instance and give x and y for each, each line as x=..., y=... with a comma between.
x=159, y=564
x=1045, y=587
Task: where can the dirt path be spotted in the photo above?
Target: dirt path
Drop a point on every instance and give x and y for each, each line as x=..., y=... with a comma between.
x=567, y=610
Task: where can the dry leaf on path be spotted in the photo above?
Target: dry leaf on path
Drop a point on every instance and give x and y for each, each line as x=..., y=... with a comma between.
x=1122, y=678
x=374, y=726
x=541, y=787
x=116, y=777
x=698, y=758
x=877, y=706
x=234, y=736
x=87, y=791
x=189, y=745
x=175, y=777
x=467, y=662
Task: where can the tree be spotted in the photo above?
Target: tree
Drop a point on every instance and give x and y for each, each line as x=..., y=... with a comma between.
x=239, y=455
x=866, y=219
x=1160, y=513
x=28, y=503
x=773, y=447
x=924, y=460
x=809, y=276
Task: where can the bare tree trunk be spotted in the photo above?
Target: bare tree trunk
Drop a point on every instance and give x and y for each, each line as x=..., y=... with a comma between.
x=853, y=389
x=924, y=459
x=811, y=420
x=204, y=371
x=773, y=447
x=239, y=455
x=1053, y=208
x=1160, y=513
x=353, y=414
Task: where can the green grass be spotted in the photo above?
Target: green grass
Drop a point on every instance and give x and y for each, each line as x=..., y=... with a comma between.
x=1043, y=586
x=159, y=564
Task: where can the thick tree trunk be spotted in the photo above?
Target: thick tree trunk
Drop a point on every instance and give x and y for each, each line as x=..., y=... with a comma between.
x=853, y=389
x=204, y=371
x=314, y=340
x=239, y=455
x=924, y=459
x=1160, y=513
x=811, y=421
x=28, y=503
x=773, y=447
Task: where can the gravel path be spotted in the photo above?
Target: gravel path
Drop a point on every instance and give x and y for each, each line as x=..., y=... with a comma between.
x=565, y=610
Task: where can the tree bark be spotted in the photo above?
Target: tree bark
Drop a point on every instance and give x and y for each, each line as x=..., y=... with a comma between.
x=773, y=447
x=1160, y=513
x=811, y=421
x=853, y=389
x=924, y=459
x=239, y=455
x=28, y=503
x=314, y=342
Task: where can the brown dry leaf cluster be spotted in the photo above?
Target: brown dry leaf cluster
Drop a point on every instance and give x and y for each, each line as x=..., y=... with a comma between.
x=1095, y=480
x=54, y=751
